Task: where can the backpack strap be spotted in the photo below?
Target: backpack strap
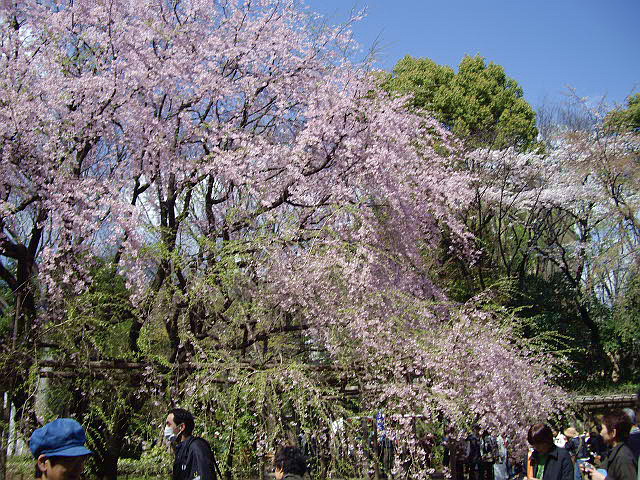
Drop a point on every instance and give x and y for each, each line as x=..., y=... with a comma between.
x=580, y=445
x=217, y=475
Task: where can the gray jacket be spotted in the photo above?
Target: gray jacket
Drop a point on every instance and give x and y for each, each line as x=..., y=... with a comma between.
x=620, y=464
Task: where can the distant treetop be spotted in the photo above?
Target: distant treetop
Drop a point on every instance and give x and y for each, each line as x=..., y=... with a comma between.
x=628, y=119
x=479, y=103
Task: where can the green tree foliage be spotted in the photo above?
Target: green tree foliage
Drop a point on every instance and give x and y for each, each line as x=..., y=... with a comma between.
x=479, y=102
x=627, y=119
x=621, y=332
x=90, y=350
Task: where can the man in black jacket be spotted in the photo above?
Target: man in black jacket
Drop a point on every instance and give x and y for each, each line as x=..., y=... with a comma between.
x=194, y=457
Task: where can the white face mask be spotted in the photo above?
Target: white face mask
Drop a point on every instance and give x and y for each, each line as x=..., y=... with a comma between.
x=169, y=434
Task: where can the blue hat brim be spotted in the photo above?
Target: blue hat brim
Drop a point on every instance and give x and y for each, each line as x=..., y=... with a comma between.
x=77, y=451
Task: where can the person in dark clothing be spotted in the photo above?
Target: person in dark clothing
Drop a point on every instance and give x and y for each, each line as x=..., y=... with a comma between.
x=473, y=458
x=488, y=455
x=577, y=448
x=633, y=442
x=620, y=464
x=597, y=447
x=290, y=464
x=576, y=445
x=457, y=457
x=194, y=457
x=546, y=462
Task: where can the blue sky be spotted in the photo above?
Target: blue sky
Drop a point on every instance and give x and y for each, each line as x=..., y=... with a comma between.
x=546, y=45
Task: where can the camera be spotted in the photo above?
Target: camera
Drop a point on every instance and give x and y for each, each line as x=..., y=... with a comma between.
x=586, y=468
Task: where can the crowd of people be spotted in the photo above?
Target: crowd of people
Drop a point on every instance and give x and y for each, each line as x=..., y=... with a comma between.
x=612, y=454
x=481, y=456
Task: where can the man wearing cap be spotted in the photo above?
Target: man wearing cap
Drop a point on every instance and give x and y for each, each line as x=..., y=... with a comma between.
x=194, y=457
x=59, y=450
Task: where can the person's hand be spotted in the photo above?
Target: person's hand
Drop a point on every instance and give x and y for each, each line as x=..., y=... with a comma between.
x=591, y=473
x=595, y=475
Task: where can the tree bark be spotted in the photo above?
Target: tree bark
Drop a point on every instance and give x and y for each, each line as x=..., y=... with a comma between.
x=4, y=433
x=108, y=467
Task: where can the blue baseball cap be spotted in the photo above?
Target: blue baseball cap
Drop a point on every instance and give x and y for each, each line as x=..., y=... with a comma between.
x=63, y=437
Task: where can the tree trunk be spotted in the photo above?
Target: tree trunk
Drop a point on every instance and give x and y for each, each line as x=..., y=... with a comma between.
x=3, y=453
x=616, y=363
x=594, y=330
x=4, y=433
x=108, y=468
